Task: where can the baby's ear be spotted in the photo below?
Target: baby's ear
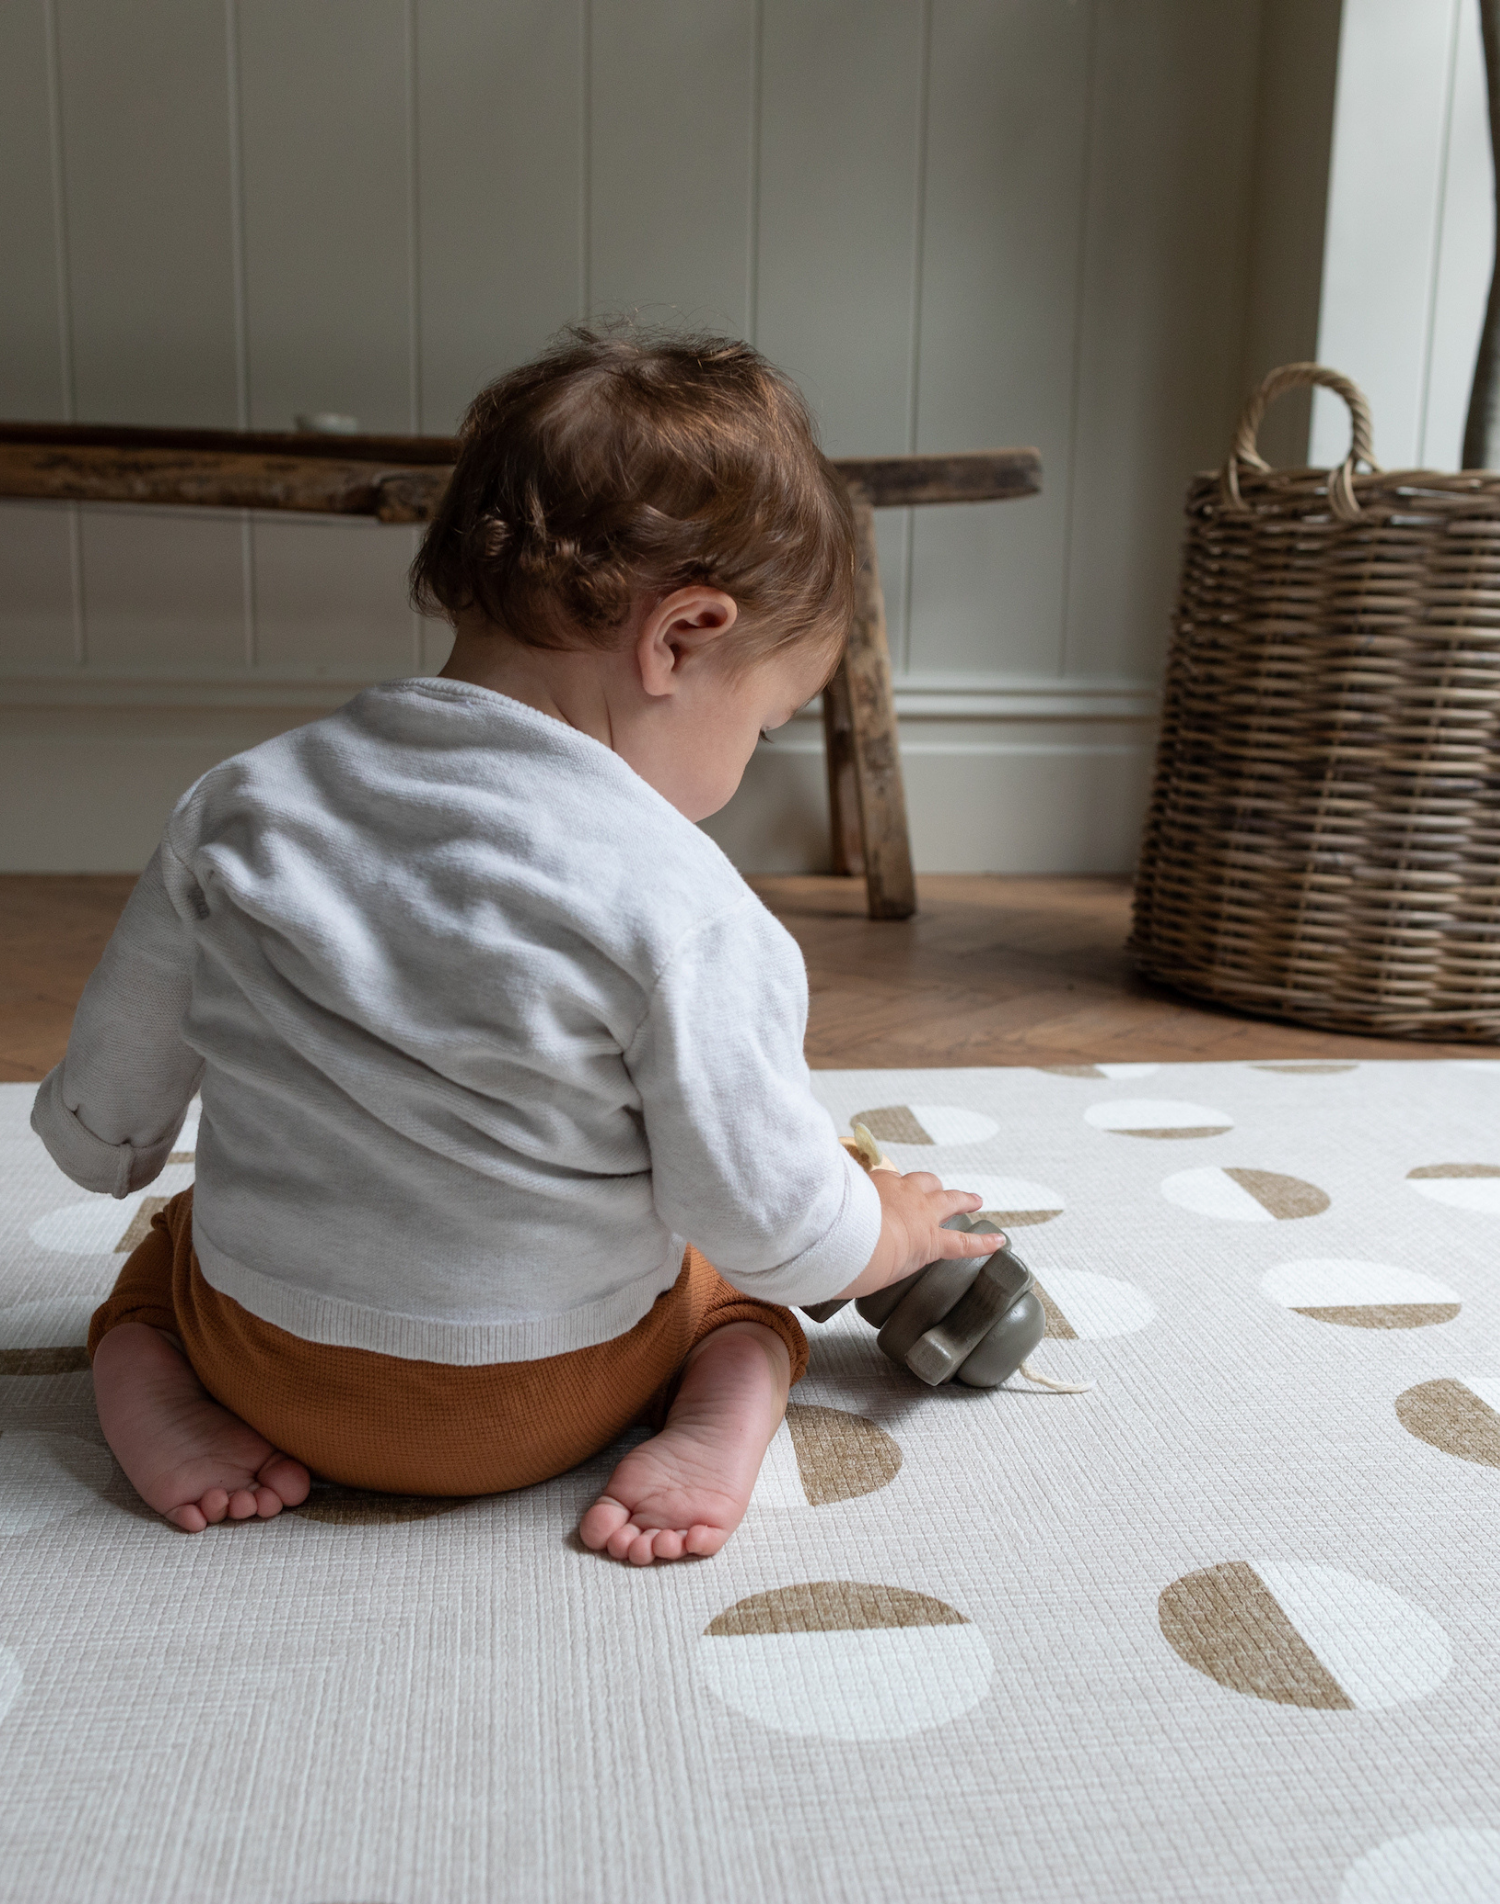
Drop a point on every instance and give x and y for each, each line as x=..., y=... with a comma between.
x=678, y=627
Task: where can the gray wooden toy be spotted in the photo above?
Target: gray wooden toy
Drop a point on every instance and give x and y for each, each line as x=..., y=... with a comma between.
x=973, y=1320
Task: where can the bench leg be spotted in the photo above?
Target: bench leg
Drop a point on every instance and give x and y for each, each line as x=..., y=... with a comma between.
x=847, y=842
x=866, y=797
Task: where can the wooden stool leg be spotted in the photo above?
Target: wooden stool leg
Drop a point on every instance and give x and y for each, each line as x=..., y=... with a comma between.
x=874, y=756
x=848, y=847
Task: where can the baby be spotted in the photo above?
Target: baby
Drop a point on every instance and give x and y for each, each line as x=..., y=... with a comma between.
x=507, y=1138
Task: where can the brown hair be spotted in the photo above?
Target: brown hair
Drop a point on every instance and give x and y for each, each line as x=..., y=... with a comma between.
x=621, y=462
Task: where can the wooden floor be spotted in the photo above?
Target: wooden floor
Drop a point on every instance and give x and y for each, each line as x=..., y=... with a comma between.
x=991, y=971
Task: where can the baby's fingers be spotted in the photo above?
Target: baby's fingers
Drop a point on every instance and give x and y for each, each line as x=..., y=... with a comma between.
x=951, y=1243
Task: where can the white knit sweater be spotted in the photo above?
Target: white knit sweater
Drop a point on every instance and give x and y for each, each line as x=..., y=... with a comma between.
x=484, y=1030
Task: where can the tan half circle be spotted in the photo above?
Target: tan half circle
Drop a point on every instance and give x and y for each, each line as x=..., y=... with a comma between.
x=1447, y=1414
x=1226, y=1623
x=1284, y=1197
x=139, y=1227
x=840, y=1455
x=832, y=1606
x=63, y=1361
x=1384, y=1315
x=892, y=1124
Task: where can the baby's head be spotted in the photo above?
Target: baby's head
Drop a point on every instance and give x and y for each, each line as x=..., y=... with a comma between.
x=642, y=536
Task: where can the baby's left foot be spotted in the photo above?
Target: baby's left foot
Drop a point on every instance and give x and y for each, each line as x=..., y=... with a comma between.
x=686, y=1490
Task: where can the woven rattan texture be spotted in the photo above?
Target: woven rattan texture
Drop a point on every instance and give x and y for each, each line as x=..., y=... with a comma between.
x=1323, y=840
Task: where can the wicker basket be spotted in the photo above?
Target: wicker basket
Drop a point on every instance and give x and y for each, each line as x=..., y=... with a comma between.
x=1323, y=841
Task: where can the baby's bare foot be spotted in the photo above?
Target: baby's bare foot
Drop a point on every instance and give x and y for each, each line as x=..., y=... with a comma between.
x=186, y=1456
x=686, y=1490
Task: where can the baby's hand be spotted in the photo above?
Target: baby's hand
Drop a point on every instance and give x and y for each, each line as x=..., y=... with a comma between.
x=913, y=1210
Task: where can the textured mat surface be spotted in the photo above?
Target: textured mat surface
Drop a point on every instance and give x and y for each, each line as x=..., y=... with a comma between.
x=1226, y=1628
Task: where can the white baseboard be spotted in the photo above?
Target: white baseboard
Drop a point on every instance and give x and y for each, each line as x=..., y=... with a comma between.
x=1003, y=774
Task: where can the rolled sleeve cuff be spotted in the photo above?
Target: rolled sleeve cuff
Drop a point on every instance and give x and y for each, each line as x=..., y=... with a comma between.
x=113, y=1169
x=828, y=1266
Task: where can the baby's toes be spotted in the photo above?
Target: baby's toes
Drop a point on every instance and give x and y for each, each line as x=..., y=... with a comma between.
x=622, y=1541
x=213, y=1505
x=287, y=1479
x=642, y=1550
x=602, y=1522
x=704, y=1540
x=242, y=1505
x=670, y=1544
x=188, y=1518
x=268, y=1503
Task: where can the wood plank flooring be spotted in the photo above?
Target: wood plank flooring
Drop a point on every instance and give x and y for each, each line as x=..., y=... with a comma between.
x=1011, y=971
x=990, y=971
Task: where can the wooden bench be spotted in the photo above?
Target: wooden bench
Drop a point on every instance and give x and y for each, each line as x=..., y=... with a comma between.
x=400, y=478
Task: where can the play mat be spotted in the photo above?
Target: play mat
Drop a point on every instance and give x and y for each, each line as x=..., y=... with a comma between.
x=1227, y=1627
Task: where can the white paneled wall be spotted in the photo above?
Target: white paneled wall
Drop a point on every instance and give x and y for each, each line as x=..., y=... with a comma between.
x=1411, y=228
x=959, y=224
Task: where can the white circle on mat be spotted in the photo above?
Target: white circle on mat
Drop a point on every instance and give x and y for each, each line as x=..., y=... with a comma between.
x=1461, y=1186
x=1243, y=1196
x=1097, y=1306
x=1454, y=1864
x=1336, y=1282
x=1016, y=1200
x=951, y=1124
x=1380, y=1647
x=1157, y=1117
x=44, y=1478
x=846, y=1662
x=11, y=1680
x=88, y=1229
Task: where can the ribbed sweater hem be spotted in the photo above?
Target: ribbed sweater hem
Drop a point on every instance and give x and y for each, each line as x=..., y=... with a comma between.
x=469, y=1344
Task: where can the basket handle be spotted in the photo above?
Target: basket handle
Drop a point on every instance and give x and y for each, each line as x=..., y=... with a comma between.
x=1341, y=497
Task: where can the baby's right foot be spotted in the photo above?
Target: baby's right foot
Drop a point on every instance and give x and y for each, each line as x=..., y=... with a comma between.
x=686, y=1490
x=185, y=1456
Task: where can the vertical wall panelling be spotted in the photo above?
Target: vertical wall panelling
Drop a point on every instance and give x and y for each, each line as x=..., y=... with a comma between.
x=1293, y=139
x=671, y=86
x=499, y=150
x=1389, y=140
x=324, y=122
x=1003, y=209
x=146, y=172
x=31, y=365
x=164, y=592
x=1165, y=282
x=38, y=628
x=957, y=223
x=146, y=166
x=325, y=110
x=330, y=599
x=840, y=109
x=1465, y=253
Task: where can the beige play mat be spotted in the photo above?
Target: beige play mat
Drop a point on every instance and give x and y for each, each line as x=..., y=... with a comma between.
x=1227, y=1627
